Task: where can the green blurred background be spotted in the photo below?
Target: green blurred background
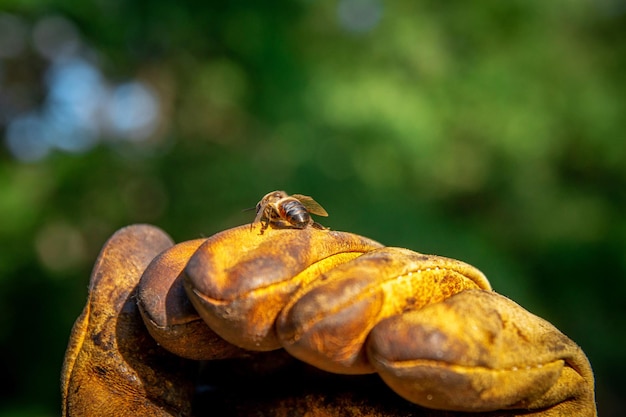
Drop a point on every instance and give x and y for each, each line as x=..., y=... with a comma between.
x=490, y=131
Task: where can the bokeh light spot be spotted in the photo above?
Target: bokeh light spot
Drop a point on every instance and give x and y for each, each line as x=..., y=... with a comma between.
x=77, y=86
x=359, y=16
x=13, y=33
x=25, y=138
x=55, y=37
x=132, y=110
x=60, y=246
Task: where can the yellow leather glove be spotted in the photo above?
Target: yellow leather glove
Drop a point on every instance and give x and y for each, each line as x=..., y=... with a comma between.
x=430, y=327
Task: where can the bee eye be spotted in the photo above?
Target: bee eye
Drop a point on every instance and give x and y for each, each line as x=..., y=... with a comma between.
x=258, y=207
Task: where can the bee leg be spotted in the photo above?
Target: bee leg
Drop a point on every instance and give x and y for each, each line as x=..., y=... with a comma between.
x=316, y=225
x=283, y=224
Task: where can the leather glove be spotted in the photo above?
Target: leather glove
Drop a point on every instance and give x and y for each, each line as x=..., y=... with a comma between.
x=308, y=322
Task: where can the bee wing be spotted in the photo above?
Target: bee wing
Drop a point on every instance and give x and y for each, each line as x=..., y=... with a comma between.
x=311, y=205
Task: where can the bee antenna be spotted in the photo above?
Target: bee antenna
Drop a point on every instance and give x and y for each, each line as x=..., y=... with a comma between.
x=249, y=209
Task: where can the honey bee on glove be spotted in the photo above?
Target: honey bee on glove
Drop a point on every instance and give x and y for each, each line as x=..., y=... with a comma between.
x=287, y=211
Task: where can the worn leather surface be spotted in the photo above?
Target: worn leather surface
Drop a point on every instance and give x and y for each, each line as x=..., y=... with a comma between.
x=112, y=366
x=308, y=323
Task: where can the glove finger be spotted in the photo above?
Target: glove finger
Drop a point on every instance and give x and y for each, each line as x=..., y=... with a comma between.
x=168, y=314
x=239, y=280
x=478, y=351
x=112, y=363
x=327, y=322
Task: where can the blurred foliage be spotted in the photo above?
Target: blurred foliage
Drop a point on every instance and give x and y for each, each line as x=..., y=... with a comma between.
x=487, y=131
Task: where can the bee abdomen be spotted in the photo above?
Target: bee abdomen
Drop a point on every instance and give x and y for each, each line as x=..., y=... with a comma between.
x=295, y=213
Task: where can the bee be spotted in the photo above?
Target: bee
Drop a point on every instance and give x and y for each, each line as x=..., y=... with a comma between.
x=284, y=210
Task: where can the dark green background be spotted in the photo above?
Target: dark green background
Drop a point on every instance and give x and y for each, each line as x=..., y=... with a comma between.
x=489, y=131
